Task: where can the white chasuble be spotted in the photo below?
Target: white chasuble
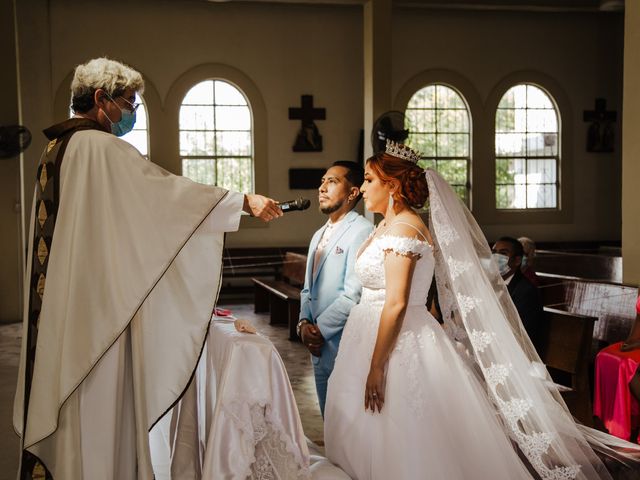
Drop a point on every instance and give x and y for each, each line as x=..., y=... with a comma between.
x=133, y=276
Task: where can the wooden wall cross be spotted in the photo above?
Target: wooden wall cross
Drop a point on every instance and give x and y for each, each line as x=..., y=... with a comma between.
x=600, y=135
x=308, y=138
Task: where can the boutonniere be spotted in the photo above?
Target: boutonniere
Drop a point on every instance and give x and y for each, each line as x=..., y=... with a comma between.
x=339, y=251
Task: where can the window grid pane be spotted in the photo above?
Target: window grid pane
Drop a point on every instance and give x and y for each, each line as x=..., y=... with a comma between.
x=139, y=136
x=438, y=121
x=216, y=136
x=527, y=150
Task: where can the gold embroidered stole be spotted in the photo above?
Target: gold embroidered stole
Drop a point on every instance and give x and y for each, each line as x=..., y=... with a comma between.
x=46, y=205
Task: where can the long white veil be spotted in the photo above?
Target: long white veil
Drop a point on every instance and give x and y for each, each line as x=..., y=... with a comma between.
x=479, y=313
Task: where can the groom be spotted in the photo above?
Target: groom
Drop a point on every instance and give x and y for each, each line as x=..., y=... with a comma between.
x=331, y=286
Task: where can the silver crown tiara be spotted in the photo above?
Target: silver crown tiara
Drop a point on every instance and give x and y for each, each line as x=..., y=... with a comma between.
x=402, y=151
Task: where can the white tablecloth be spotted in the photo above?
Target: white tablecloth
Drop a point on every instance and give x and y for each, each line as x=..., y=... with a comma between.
x=238, y=419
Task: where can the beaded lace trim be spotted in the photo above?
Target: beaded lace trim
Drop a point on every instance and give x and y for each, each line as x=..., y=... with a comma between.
x=514, y=410
x=407, y=246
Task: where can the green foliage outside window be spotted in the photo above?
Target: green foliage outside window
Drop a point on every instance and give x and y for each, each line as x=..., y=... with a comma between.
x=216, y=136
x=526, y=149
x=438, y=121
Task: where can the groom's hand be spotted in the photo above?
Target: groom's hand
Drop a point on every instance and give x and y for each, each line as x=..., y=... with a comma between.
x=312, y=338
x=262, y=207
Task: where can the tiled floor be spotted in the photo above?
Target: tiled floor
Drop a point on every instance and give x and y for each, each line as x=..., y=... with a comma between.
x=294, y=355
x=10, y=336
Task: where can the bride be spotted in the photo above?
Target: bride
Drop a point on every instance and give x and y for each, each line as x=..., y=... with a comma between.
x=408, y=399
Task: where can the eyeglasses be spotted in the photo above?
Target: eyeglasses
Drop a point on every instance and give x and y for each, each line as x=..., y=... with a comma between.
x=132, y=106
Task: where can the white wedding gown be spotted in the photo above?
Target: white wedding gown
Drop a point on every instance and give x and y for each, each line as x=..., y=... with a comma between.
x=437, y=422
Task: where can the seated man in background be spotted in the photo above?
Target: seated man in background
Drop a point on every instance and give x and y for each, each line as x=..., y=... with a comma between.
x=508, y=253
x=331, y=286
x=527, y=267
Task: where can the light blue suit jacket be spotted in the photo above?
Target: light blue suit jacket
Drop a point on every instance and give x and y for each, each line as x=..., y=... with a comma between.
x=329, y=295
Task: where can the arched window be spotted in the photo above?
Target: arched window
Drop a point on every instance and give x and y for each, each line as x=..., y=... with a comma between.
x=139, y=136
x=216, y=136
x=439, y=127
x=527, y=149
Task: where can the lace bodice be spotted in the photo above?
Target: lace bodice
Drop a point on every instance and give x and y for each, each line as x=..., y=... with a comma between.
x=370, y=267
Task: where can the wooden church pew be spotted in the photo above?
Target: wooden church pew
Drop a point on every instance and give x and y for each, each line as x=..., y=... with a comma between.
x=281, y=298
x=585, y=311
x=611, y=302
x=241, y=264
x=566, y=351
x=553, y=289
x=591, y=266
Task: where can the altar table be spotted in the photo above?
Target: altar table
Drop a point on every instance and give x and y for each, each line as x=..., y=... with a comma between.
x=238, y=419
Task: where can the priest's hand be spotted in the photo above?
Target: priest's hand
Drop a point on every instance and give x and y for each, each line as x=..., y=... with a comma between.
x=261, y=207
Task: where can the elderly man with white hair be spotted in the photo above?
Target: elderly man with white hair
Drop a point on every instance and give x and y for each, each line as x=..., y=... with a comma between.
x=123, y=271
x=528, y=259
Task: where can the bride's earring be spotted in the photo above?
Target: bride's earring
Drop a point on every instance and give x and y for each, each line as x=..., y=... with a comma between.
x=391, y=200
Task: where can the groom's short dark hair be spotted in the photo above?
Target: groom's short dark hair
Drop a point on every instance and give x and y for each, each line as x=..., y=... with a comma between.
x=355, y=174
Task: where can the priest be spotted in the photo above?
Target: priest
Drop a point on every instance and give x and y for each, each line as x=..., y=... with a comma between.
x=123, y=272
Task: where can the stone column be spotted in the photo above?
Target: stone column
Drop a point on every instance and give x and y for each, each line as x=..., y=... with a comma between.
x=377, y=67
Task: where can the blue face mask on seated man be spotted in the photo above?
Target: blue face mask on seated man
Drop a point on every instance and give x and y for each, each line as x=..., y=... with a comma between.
x=502, y=262
x=126, y=123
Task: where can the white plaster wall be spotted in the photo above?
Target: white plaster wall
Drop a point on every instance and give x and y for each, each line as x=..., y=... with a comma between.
x=580, y=52
x=287, y=50
x=9, y=174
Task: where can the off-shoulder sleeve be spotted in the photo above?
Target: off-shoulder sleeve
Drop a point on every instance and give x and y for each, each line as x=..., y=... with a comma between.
x=406, y=246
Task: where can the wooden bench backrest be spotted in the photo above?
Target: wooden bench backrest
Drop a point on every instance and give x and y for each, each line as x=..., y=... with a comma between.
x=553, y=294
x=583, y=265
x=566, y=354
x=613, y=304
x=293, y=268
x=568, y=341
x=255, y=261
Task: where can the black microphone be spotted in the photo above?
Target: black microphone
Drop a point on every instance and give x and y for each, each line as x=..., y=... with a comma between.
x=298, y=204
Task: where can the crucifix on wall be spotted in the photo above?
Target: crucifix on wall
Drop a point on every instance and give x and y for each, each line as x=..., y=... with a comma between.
x=600, y=135
x=309, y=138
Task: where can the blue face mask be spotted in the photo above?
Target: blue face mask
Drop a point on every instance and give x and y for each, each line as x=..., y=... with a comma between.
x=126, y=123
x=502, y=262
x=524, y=261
